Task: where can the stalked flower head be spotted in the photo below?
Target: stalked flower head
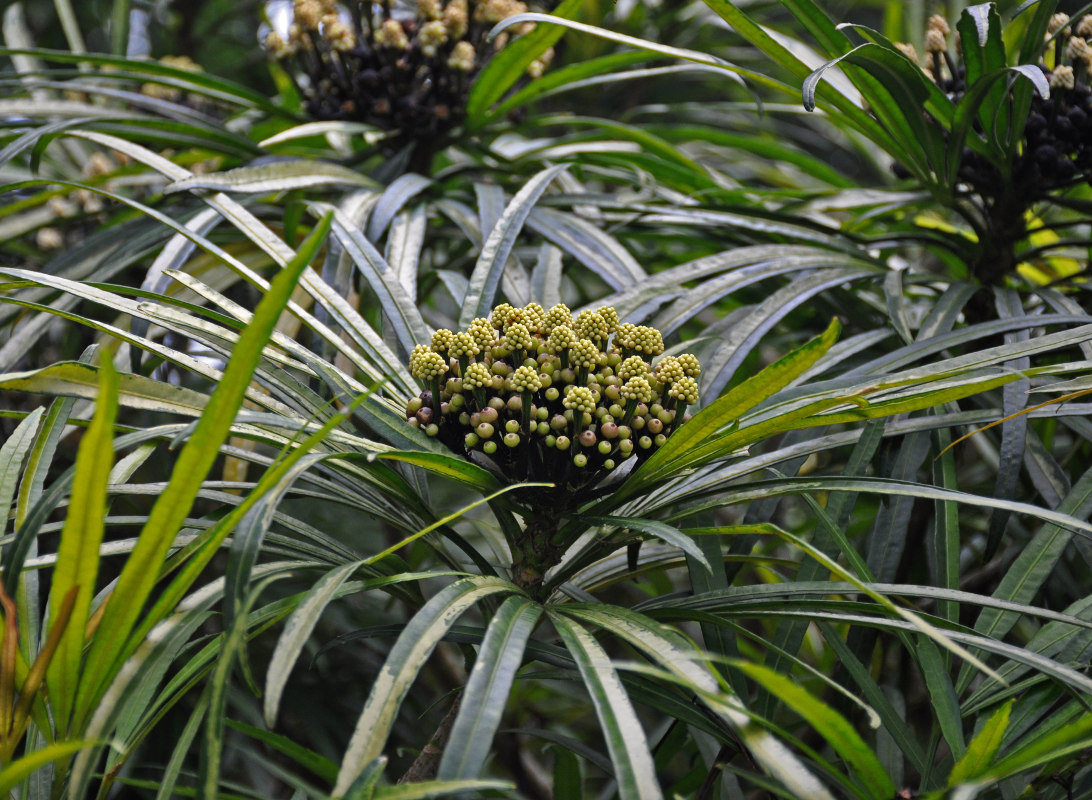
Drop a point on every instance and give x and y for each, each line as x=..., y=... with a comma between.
x=544, y=397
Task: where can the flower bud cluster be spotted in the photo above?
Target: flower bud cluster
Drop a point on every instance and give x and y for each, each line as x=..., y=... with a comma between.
x=548, y=397
x=409, y=73
x=1057, y=149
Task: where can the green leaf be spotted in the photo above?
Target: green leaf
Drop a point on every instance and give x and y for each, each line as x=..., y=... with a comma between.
x=983, y=748
x=406, y=658
x=423, y=790
x=665, y=533
x=282, y=176
x=498, y=246
x=507, y=66
x=19, y=770
x=634, y=770
x=486, y=694
x=297, y=630
x=829, y=724
x=78, y=552
x=12, y=454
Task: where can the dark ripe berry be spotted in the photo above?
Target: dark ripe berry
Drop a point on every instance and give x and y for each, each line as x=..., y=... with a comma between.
x=1066, y=169
x=1045, y=154
x=425, y=415
x=426, y=398
x=1063, y=128
x=381, y=106
x=490, y=412
x=1078, y=117
x=587, y=438
x=899, y=171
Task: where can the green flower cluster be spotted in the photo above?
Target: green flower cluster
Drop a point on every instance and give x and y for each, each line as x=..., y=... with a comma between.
x=546, y=396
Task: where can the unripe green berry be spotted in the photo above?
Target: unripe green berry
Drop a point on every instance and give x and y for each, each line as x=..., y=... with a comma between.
x=471, y=440
x=416, y=423
x=605, y=447
x=489, y=448
x=580, y=460
x=515, y=404
x=543, y=428
x=558, y=422
x=587, y=438
x=541, y=414
x=616, y=410
x=660, y=440
x=608, y=464
x=512, y=426
x=563, y=442
x=511, y=439
x=666, y=416
x=432, y=429
x=655, y=426
x=644, y=442
x=467, y=419
x=413, y=406
x=624, y=431
x=552, y=394
x=485, y=430
x=609, y=430
x=638, y=423
x=550, y=440
x=457, y=402
x=490, y=413
x=625, y=447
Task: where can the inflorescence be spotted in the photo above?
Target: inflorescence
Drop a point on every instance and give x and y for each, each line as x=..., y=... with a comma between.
x=402, y=68
x=1057, y=147
x=545, y=396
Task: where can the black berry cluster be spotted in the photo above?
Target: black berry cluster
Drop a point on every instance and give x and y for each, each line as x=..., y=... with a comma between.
x=548, y=397
x=404, y=69
x=1057, y=148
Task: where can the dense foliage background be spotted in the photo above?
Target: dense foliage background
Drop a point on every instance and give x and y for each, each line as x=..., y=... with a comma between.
x=231, y=567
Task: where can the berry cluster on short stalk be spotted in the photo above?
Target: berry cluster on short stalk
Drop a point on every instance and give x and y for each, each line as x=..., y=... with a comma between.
x=1057, y=147
x=549, y=397
x=403, y=68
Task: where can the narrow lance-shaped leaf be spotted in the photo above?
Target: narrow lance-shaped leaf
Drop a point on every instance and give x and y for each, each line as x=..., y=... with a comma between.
x=498, y=246
x=486, y=694
x=78, y=551
x=634, y=769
